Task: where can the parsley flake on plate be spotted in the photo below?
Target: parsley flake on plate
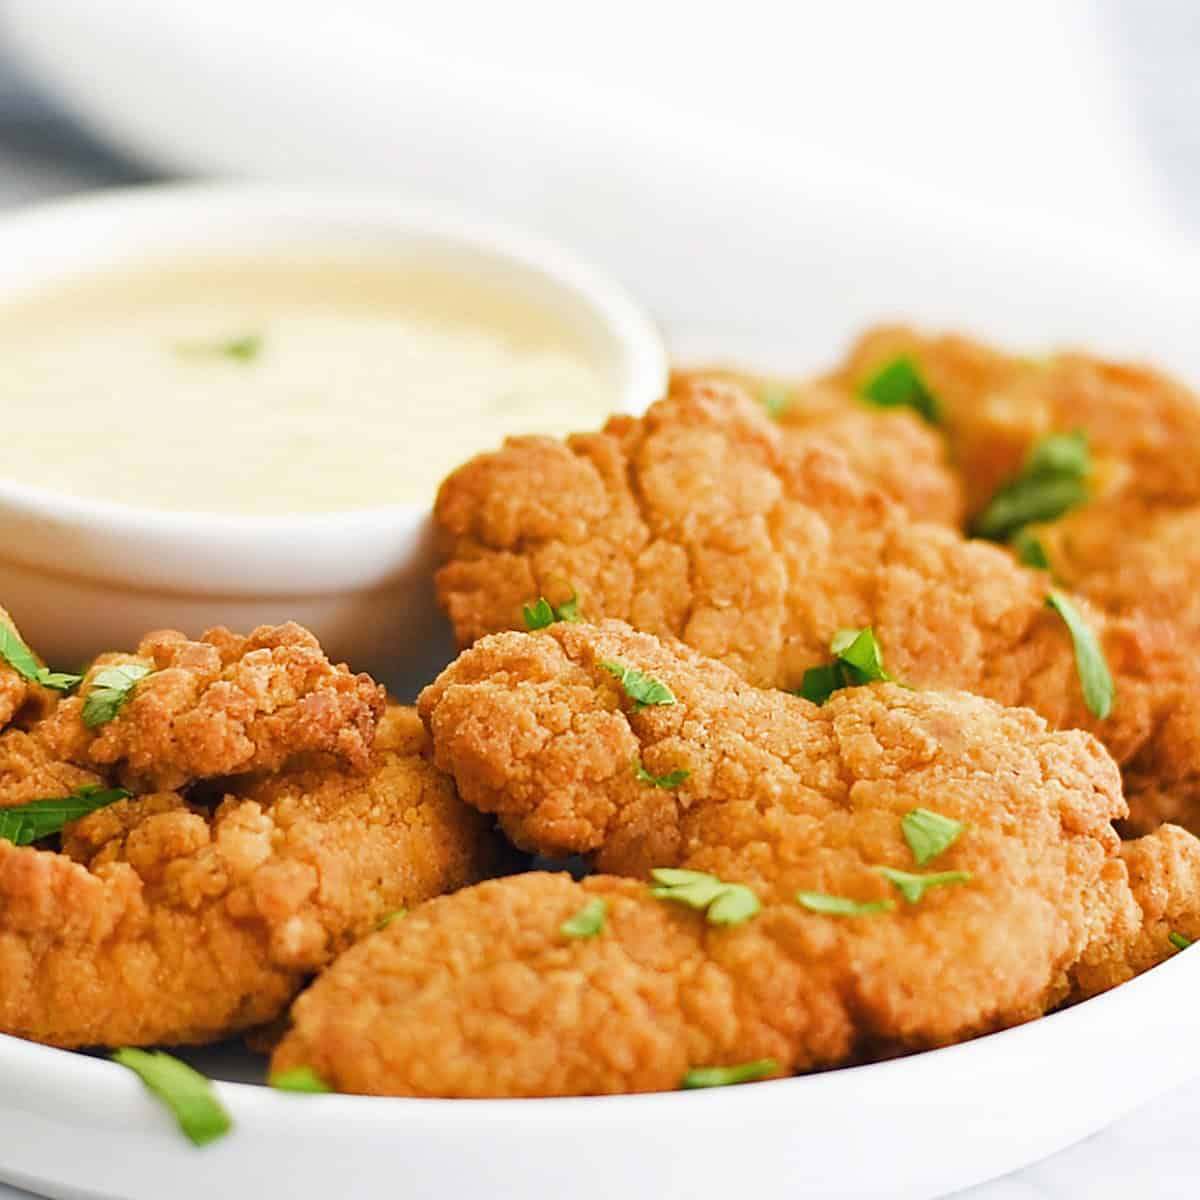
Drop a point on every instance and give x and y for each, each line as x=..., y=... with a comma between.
x=541, y=613
x=109, y=690
x=244, y=349
x=858, y=659
x=187, y=1093
x=644, y=690
x=588, y=921
x=706, y=1077
x=842, y=906
x=672, y=779
x=24, y=824
x=775, y=400
x=928, y=833
x=24, y=662
x=1099, y=690
x=898, y=384
x=1053, y=481
x=299, y=1079
x=722, y=903
x=913, y=887
x=1178, y=940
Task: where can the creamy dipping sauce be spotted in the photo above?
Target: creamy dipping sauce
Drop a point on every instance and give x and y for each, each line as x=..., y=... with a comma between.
x=273, y=386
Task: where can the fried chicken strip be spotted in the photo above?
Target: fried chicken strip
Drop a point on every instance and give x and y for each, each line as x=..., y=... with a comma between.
x=163, y=922
x=1143, y=427
x=700, y=521
x=483, y=994
x=224, y=705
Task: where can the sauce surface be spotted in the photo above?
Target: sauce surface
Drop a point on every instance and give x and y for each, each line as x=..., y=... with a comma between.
x=270, y=386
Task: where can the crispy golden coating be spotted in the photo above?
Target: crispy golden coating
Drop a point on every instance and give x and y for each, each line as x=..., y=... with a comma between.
x=482, y=994
x=1164, y=899
x=895, y=450
x=224, y=705
x=700, y=521
x=164, y=922
x=29, y=772
x=1143, y=427
x=20, y=700
x=1132, y=559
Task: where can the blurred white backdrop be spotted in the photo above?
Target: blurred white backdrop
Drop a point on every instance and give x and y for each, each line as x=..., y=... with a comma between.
x=1017, y=107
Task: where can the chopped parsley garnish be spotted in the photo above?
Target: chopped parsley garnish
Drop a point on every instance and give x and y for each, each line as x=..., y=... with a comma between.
x=775, y=400
x=244, y=349
x=842, y=906
x=299, y=1079
x=928, y=834
x=1099, y=690
x=1053, y=481
x=643, y=690
x=898, y=384
x=109, y=690
x=672, y=779
x=22, y=660
x=541, y=613
x=706, y=1077
x=186, y=1092
x=24, y=824
x=588, y=921
x=722, y=903
x=858, y=659
x=1178, y=940
x=1029, y=550
x=392, y=918
x=913, y=887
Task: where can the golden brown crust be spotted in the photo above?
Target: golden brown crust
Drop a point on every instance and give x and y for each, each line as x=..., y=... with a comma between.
x=20, y=700
x=1164, y=899
x=482, y=994
x=220, y=706
x=894, y=450
x=699, y=521
x=165, y=922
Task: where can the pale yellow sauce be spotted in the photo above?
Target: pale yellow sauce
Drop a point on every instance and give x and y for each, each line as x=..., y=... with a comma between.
x=371, y=382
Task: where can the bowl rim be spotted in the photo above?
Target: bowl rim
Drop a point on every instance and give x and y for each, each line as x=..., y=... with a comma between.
x=643, y=363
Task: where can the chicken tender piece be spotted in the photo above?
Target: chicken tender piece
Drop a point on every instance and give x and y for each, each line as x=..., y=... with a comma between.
x=482, y=994
x=224, y=705
x=162, y=922
x=699, y=521
x=893, y=449
x=1143, y=427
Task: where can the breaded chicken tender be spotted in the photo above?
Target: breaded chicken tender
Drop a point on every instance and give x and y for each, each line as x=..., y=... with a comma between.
x=894, y=449
x=486, y=994
x=224, y=705
x=164, y=922
x=1143, y=427
x=701, y=521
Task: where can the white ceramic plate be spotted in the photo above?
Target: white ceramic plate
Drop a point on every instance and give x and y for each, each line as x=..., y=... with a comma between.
x=909, y=1129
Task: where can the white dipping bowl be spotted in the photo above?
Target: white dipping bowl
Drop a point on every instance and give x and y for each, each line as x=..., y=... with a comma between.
x=81, y=575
